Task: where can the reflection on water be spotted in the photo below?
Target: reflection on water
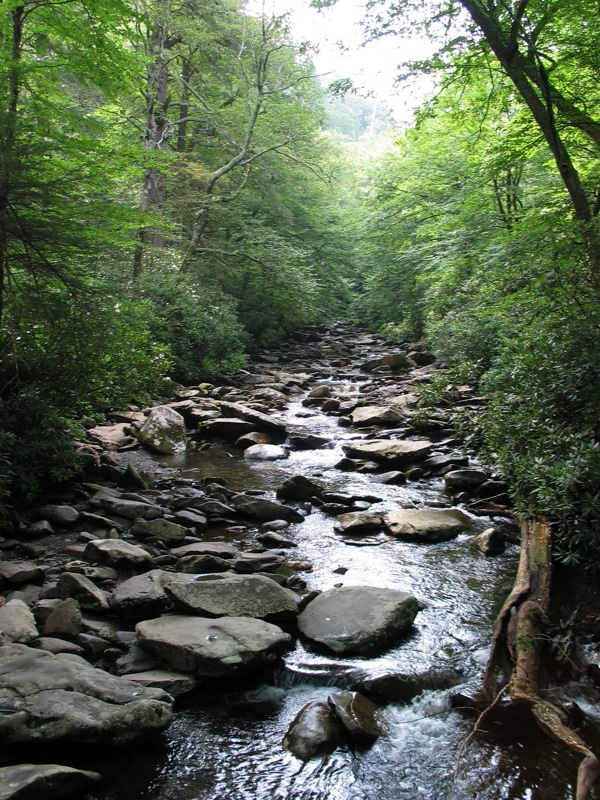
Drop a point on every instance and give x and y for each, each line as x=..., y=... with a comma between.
x=227, y=745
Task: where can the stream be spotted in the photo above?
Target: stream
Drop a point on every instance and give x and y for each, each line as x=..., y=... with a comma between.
x=225, y=742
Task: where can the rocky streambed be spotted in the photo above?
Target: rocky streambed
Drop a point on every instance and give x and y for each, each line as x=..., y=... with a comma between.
x=275, y=595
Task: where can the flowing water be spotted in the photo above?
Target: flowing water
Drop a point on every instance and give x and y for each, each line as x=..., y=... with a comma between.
x=226, y=745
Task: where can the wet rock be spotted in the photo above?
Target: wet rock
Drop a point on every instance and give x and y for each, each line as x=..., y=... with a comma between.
x=402, y=687
x=191, y=519
x=426, y=525
x=62, y=697
x=17, y=623
x=141, y=597
x=358, y=715
x=395, y=452
x=315, y=731
x=299, y=487
x=168, y=532
x=357, y=522
x=320, y=392
x=117, y=553
x=490, y=542
x=44, y=781
x=164, y=431
x=87, y=594
x=468, y=479
x=358, y=619
x=248, y=563
x=393, y=478
x=235, y=596
x=18, y=572
x=213, y=647
x=272, y=539
x=252, y=438
x=265, y=452
x=309, y=441
x=230, y=428
x=439, y=463
x=259, y=508
x=365, y=416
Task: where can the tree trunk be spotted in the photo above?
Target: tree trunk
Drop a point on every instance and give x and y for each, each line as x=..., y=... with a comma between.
x=517, y=644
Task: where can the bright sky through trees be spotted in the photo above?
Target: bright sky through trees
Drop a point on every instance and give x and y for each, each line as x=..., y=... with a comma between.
x=337, y=34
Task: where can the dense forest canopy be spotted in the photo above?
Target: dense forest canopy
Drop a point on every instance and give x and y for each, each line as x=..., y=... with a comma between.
x=177, y=188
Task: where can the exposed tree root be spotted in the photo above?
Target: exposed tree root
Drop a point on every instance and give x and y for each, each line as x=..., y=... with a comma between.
x=517, y=642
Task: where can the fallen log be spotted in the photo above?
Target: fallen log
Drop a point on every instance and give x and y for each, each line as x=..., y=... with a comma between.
x=517, y=643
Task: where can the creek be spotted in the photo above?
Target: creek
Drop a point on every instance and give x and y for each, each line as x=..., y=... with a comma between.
x=225, y=741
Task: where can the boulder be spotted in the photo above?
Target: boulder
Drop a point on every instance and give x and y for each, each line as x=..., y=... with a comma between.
x=204, y=562
x=129, y=509
x=426, y=525
x=309, y=441
x=59, y=515
x=320, y=393
x=44, y=781
x=173, y=683
x=17, y=623
x=260, y=508
x=357, y=523
x=213, y=647
x=358, y=619
x=235, y=596
x=365, y=416
x=141, y=597
x=252, y=438
x=230, y=428
x=468, y=479
x=168, y=532
x=17, y=572
x=257, y=419
x=265, y=452
x=164, y=431
x=87, y=594
x=64, y=620
x=392, y=452
x=61, y=697
x=298, y=487
x=358, y=715
x=490, y=542
x=117, y=553
x=218, y=549
x=315, y=731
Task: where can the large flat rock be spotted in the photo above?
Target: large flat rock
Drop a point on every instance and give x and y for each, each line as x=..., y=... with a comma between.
x=392, y=452
x=364, y=416
x=426, y=525
x=62, y=697
x=358, y=619
x=213, y=647
x=235, y=596
x=44, y=781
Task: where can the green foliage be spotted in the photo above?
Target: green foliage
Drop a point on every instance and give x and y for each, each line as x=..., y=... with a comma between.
x=197, y=324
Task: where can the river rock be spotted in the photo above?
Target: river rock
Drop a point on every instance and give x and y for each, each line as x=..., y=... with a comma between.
x=44, y=781
x=265, y=452
x=116, y=552
x=252, y=438
x=235, y=596
x=309, y=441
x=129, y=509
x=260, y=508
x=273, y=539
x=64, y=620
x=358, y=715
x=218, y=549
x=162, y=529
x=63, y=697
x=195, y=564
x=257, y=419
x=164, y=431
x=315, y=731
x=87, y=594
x=173, y=683
x=468, y=479
x=365, y=416
x=320, y=392
x=426, y=525
x=490, y=542
x=299, y=487
x=59, y=515
x=357, y=522
x=358, y=619
x=17, y=623
x=17, y=572
x=392, y=478
x=393, y=452
x=213, y=647
x=141, y=597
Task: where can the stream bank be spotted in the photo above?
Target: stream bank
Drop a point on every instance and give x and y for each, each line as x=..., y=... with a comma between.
x=324, y=398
